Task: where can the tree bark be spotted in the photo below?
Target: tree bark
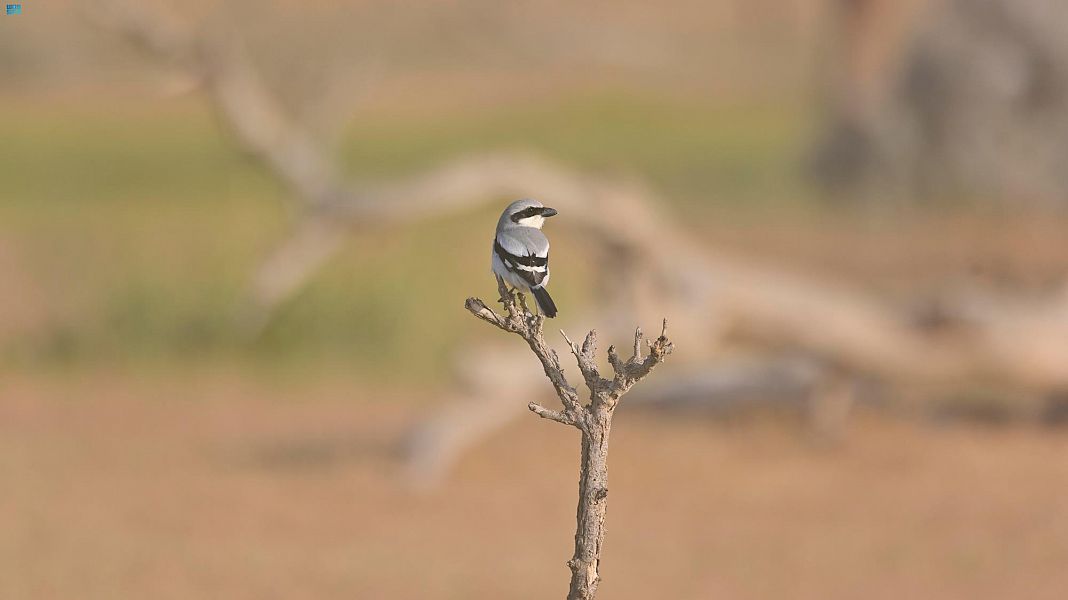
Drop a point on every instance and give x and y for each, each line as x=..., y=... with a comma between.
x=592, y=508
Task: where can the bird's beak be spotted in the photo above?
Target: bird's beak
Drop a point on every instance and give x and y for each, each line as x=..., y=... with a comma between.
x=548, y=212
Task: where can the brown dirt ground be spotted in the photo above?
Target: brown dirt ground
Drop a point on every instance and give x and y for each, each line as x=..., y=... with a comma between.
x=218, y=486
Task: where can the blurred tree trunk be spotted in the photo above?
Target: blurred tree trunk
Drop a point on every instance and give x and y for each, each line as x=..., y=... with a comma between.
x=949, y=99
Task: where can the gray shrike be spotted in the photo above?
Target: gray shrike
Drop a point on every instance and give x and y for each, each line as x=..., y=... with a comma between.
x=521, y=250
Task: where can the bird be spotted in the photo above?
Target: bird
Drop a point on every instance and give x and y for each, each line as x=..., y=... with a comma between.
x=521, y=250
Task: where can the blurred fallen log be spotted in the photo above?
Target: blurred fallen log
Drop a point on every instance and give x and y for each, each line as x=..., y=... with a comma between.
x=980, y=338
x=733, y=386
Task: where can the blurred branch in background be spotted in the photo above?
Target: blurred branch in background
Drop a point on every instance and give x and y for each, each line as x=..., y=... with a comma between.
x=648, y=266
x=255, y=118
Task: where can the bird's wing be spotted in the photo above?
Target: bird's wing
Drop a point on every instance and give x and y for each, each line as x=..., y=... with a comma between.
x=524, y=241
x=525, y=252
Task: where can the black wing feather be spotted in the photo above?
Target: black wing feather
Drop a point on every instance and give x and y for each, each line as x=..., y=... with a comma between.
x=533, y=278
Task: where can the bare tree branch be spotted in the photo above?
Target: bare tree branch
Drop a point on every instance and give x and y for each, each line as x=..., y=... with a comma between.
x=594, y=419
x=520, y=321
x=553, y=415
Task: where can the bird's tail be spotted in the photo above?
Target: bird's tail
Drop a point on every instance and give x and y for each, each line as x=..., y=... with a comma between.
x=545, y=301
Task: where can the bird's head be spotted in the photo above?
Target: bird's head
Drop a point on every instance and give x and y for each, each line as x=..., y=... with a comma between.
x=526, y=213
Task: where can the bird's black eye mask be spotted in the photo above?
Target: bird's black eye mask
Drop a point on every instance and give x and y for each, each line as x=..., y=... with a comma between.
x=533, y=211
